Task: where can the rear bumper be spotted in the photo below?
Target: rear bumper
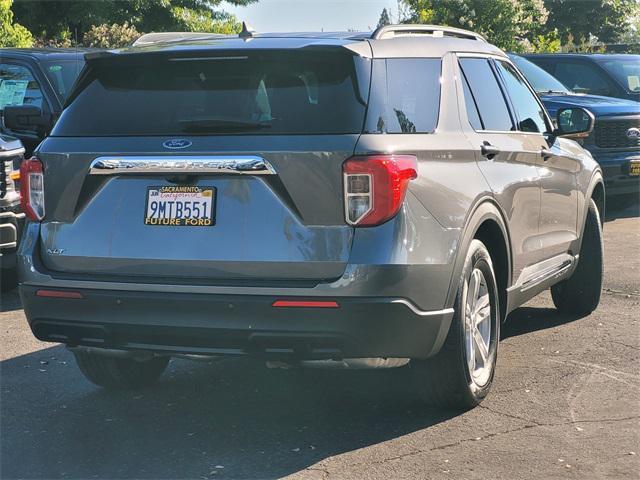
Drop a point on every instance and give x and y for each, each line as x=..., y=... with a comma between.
x=177, y=323
x=615, y=167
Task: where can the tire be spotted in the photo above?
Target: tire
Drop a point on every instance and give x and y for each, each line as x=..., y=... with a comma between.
x=120, y=373
x=8, y=279
x=452, y=378
x=580, y=294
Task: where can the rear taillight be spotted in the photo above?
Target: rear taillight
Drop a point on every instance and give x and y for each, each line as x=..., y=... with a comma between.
x=375, y=187
x=32, y=188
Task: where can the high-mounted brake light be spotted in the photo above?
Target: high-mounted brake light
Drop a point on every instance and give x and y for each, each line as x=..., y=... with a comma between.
x=32, y=189
x=375, y=187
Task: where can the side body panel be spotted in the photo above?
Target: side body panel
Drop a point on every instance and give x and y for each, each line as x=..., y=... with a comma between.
x=559, y=200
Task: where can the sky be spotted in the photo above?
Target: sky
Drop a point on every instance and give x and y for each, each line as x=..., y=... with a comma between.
x=312, y=15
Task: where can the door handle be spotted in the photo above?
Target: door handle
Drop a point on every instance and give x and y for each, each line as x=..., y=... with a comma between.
x=488, y=150
x=546, y=154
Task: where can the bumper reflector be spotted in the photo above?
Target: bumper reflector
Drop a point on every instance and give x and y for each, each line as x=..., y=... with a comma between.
x=305, y=304
x=58, y=294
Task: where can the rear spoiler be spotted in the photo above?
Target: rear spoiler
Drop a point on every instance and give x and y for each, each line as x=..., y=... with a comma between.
x=167, y=48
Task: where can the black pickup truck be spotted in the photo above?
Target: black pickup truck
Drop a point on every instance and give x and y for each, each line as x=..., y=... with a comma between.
x=11, y=217
x=34, y=83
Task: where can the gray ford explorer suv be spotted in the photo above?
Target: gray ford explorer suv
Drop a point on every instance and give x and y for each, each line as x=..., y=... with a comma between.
x=376, y=199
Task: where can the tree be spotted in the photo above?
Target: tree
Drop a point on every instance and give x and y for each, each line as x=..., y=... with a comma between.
x=509, y=24
x=53, y=19
x=580, y=19
x=384, y=18
x=110, y=36
x=12, y=34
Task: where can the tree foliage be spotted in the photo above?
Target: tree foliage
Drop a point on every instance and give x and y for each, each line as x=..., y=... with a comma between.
x=53, y=19
x=12, y=34
x=509, y=24
x=384, y=18
x=531, y=25
x=110, y=36
x=581, y=19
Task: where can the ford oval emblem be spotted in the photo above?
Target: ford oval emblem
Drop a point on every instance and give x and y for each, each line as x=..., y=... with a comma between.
x=633, y=133
x=176, y=143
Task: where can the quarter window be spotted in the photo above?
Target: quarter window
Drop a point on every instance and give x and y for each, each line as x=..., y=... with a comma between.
x=472, y=108
x=529, y=113
x=486, y=94
x=405, y=96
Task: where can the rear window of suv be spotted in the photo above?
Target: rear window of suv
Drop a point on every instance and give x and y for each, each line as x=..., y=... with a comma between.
x=267, y=93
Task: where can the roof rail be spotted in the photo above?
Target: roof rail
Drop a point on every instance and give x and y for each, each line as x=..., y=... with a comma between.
x=390, y=31
x=160, y=37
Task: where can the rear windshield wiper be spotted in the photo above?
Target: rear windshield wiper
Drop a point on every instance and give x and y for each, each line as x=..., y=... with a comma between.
x=221, y=124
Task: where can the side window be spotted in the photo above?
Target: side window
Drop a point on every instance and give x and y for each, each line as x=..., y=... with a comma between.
x=583, y=78
x=405, y=96
x=18, y=87
x=490, y=102
x=531, y=117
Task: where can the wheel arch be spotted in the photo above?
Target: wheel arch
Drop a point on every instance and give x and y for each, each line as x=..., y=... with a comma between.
x=595, y=191
x=597, y=194
x=487, y=224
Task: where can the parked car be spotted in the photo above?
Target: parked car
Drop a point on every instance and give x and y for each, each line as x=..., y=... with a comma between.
x=615, y=141
x=11, y=218
x=34, y=83
x=387, y=197
x=608, y=75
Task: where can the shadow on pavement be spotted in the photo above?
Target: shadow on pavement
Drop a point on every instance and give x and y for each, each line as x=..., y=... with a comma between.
x=623, y=206
x=530, y=319
x=10, y=301
x=236, y=414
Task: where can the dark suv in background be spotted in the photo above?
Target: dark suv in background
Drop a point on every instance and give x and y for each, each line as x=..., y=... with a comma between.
x=39, y=80
x=367, y=199
x=615, y=140
x=608, y=75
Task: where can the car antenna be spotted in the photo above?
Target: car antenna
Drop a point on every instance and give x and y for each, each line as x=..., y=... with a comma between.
x=76, y=55
x=247, y=33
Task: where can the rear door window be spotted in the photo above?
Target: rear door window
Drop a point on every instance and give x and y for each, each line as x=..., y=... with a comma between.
x=405, y=96
x=530, y=114
x=486, y=95
x=268, y=93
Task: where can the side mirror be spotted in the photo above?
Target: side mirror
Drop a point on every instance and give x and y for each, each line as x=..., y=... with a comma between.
x=26, y=117
x=574, y=123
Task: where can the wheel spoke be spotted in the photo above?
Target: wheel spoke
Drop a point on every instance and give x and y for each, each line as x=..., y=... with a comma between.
x=482, y=303
x=481, y=346
x=472, y=354
x=475, y=276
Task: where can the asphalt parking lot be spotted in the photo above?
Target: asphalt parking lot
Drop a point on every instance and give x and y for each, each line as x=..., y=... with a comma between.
x=565, y=404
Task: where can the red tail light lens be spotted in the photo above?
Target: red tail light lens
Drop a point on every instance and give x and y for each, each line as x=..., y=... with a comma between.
x=375, y=187
x=32, y=189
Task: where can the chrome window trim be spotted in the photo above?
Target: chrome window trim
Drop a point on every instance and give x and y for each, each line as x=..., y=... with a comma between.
x=186, y=165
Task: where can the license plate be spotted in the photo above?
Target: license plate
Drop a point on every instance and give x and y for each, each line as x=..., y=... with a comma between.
x=634, y=167
x=180, y=206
